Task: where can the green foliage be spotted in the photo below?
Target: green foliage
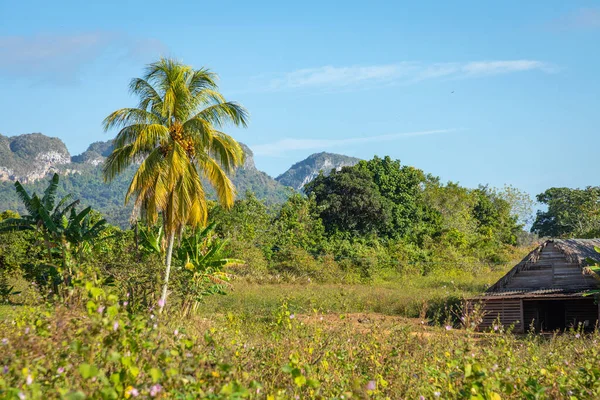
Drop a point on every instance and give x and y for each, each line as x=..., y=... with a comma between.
x=176, y=133
x=570, y=213
x=297, y=224
x=88, y=186
x=65, y=232
x=202, y=268
x=494, y=217
x=6, y=289
x=406, y=218
x=402, y=186
x=99, y=350
x=375, y=197
x=151, y=238
x=349, y=202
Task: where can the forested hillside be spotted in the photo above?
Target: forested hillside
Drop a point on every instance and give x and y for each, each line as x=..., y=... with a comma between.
x=31, y=159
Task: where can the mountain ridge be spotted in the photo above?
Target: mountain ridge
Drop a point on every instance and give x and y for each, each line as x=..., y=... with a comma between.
x=30, y=158
x=302, y=172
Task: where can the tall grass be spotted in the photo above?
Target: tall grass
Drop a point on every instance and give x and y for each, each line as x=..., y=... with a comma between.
x=407, y=296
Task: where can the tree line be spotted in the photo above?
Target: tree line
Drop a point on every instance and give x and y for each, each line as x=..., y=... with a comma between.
x=373, y=220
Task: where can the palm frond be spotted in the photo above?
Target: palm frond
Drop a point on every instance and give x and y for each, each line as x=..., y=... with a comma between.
x=149, y=137
x=149, y=97
x=201, y=132
x=222, y=114
x=218, y=180
x=25, y=198
x=118, y=161
x=201, y=80
x=50, y=193
x=16, y=224
x=129, y=116
x=43, y=214
x=227, y=151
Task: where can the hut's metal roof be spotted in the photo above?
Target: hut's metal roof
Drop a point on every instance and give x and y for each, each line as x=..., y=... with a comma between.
x=533, y=294
x=576, y=252
x=579, y=250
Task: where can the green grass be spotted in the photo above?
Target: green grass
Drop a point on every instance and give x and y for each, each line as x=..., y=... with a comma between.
x=407, y=296
x=106, y=353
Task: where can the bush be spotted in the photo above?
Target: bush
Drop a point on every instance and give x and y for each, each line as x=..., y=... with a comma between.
x=296, y=261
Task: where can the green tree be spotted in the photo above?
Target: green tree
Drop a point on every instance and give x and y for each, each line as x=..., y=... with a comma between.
x=520, y=202
x=298, y=224
x=249, y=219
x=494, y=216
x=403, y=185
x=570, y=213
x=350, y=202
x=379, y=196
x=175, y=132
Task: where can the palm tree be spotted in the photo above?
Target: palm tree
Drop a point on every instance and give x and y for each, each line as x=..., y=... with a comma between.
x=175, y=134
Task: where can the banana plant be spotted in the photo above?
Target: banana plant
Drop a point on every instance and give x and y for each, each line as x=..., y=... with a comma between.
x=203, y=267
x=151, y=239
x=64, y=231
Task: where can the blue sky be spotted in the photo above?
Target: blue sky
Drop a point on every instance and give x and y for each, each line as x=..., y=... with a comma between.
x=475, y=92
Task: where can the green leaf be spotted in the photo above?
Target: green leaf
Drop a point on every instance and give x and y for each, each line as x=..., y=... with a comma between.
x=134, y=371
x=300, y=380
x=88, y=371
x=75, y=396
x=112, y=311
x=126, y=361
x=155, y=374
x=115, y=378
x=468, y=370
x=109, y=393
x=96, y=292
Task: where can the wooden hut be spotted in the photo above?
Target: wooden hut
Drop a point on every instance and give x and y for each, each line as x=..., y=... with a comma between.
x=545, y=291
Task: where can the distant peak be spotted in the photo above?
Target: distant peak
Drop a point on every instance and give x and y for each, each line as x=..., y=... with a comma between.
x=306, y=170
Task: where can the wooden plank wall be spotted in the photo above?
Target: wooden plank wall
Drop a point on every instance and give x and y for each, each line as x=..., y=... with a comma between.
x=508, y=310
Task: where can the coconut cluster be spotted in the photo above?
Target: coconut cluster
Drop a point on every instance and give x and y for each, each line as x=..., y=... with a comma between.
x=177, y=134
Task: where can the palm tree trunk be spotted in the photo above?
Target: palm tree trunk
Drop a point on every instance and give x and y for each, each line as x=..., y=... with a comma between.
x=169, y=255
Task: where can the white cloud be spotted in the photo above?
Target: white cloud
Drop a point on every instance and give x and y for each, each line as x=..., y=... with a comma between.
x=330, y=77
x=282, y=146
x=504, y=67
x=59, y=58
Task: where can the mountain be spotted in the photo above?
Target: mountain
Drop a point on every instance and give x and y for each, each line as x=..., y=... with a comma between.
x=27, y=158
x=30, y=158
x=306, y=170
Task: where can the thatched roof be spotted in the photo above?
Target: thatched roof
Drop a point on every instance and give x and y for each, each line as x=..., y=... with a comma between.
x=556, y=268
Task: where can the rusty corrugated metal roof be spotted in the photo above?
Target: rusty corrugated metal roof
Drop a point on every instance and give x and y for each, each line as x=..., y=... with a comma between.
x=519, y=281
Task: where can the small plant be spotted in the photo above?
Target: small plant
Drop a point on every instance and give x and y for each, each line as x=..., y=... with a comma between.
x=202, y=272
x=6, y=290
